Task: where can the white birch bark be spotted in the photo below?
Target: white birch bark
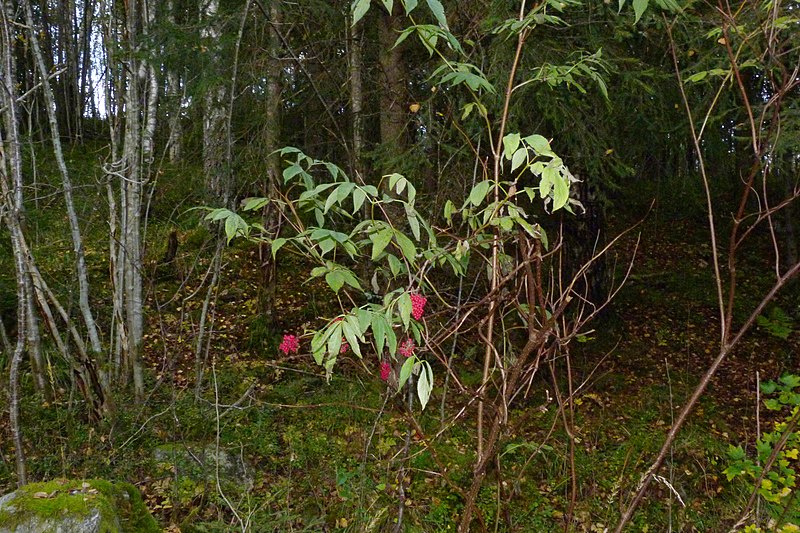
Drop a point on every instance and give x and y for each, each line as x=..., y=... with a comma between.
x=74, y=226
x=140, y=122
x=12, y=201
x=14, y=195
x=174, y=95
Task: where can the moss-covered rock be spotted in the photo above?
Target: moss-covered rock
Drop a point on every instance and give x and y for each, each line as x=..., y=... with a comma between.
x=75, y=506
x=204, y=463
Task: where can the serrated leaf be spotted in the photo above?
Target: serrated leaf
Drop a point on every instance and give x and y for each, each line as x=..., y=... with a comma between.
x=479, y=192
x=318, y=346
x=735, y=453
x=393, y=179
x=410, y=5
x=234, y=226
x=332, y=199
x=335, y=280
x=546, y=184
x=344, y=190
x=334, y=340
x=404, y=307
x=467, y=110
x=406, y=246
x=510, y=144
x=380, y=239
x=291, y=171
x=391, y=339
x=350, y=279
x=519, y=157
x=412, y=192
x=350, y=334
x=395, y=265
x=438, y=11
x=539, y=143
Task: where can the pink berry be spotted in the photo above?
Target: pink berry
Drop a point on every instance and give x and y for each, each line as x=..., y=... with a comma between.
x=406, y=349
x=290, y=344
x=386, y=369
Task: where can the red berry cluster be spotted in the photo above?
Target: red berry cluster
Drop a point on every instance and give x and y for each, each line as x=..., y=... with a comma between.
x=289, y=344
x=418, y=302
x=406, y=348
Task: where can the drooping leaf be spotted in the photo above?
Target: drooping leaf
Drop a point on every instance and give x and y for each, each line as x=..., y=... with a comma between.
x=404, y=306
x=510, y=144
x=359, y=195
x=379, y=327
x=291, y=171
x=360, y=8
x=252, y=204
x=639, y=7
x=413, y=222
x=335, y=280
x=560, y=192
x=479, y=192
x=351, y=335
x=405, y=371
x=438, y=11
x=540, y=144
x=406, y=246
x=276, y=245
x=425, y=384
x=519, y=157
x=380, y=239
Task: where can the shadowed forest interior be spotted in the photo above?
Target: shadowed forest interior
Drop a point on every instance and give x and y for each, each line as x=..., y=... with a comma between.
x=389, y=265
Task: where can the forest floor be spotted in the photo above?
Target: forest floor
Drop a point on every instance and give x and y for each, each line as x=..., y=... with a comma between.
x=320, y=455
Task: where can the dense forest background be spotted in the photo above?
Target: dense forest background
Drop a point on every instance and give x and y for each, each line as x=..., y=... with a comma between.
x=407, y=266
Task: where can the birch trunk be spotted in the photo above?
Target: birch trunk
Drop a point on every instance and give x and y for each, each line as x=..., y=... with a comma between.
x=174, y=96
x=114, y=90
x=12, y=203
x=140, y=122
x=75, y=232
x=14, y=197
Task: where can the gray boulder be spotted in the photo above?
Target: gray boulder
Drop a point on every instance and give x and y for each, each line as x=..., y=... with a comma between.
x=201, y=463
x=75, y=506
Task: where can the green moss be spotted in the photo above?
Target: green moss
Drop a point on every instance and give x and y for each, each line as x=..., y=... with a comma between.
x=120, y=504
